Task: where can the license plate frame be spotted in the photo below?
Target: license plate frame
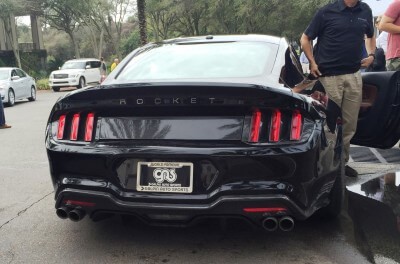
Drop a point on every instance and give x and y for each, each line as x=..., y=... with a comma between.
x=164, y=177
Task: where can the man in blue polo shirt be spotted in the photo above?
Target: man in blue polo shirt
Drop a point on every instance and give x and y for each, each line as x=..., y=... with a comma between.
x=341, y=28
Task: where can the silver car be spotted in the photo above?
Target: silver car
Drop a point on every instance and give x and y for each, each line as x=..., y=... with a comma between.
x=15, y=84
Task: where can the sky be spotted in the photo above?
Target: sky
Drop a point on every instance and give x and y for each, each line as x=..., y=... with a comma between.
x=378, y=6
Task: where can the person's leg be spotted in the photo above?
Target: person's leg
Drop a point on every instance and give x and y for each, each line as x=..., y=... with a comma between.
x=352, y=97
x=333, y=86
x=350, y=107
x=2, y=117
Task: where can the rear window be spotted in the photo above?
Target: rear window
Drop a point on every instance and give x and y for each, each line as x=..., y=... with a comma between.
x=202, y=61
x=73, y=65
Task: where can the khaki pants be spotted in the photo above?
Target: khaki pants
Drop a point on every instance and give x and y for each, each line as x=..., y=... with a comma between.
x=393, y=64
x=346, y=91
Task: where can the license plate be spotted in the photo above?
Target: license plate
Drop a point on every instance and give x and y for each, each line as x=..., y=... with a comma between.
x=167, y=177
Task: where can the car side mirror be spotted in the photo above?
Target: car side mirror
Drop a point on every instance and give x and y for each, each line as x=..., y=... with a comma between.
x=59, y=68
x=87, y=67
x=14, y=78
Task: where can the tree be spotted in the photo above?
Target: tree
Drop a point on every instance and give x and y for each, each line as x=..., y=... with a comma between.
x=141, y=10
x=162, y=18
x=7, y=10
x=67, y=16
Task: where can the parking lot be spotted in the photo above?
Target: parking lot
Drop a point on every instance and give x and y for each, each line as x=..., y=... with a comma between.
x=30, y=231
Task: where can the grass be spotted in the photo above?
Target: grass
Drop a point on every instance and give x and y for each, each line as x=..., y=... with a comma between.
x=43, y=84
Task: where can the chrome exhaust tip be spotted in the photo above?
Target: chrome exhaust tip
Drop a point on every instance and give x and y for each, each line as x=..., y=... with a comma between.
x=62, y=212
x=286, y=223
x=76, y=215
x=270, y=224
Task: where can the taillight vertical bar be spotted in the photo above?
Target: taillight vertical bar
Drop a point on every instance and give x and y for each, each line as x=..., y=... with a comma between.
x=61, y=127
x=255, y=126
x=297, y=123
x=275, y=129
x=89, y=127
x=74, y=127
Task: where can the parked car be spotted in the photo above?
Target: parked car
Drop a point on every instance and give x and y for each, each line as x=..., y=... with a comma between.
x=15, y=84
x=209, y=127
x=76, y=73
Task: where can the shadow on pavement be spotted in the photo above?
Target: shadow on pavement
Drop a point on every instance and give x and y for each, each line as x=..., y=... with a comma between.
x=374, y=207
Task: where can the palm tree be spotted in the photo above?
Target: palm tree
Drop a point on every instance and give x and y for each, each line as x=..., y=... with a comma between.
x=141, y=7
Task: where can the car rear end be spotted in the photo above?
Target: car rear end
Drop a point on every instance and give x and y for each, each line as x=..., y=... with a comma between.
x=175, y=152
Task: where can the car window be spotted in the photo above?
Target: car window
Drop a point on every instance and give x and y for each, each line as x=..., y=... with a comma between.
x=4, y=74
x=202, y=61
x=95, y=64
x=73, y=65
x=291, y=73
x=21, y=73
x=14, y=73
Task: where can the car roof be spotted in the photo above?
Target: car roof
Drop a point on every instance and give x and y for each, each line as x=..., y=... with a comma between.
x=224, y=38
x=84, y=59
x=8, y=68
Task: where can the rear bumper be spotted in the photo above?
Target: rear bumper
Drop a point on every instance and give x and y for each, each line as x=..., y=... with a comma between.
x=182, y=214
x=290, y=177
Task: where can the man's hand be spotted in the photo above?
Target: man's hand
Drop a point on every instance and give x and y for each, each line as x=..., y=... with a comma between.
x=367, y=61
x=314, y=70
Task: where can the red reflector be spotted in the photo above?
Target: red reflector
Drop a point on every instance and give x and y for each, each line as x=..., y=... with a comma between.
x=61, y=126
x=74, y=127
x=265, y=210
x=255, y=126
x=89, y=127
x=275, y=132
x=79, y=203
x=297, y=122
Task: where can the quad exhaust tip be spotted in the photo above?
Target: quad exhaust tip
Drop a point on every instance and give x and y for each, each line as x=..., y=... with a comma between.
x=270, y=224
x=285, y=223
x=74, y=214
x=62, y=212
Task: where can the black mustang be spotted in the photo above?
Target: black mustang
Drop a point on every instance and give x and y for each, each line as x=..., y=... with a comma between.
x=209, y=127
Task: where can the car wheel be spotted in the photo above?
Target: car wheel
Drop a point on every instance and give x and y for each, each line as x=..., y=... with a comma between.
x=11, y=97
x=336, y=196
x=33, y=94
x=56, y=89
x=82, y=82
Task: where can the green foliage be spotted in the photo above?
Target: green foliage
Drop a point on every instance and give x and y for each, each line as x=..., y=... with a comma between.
x=200, y=17
x=54, y=63
x=130, y=43
x=43, y=84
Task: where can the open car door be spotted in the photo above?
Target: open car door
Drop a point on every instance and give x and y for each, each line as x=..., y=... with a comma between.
x=379, y=118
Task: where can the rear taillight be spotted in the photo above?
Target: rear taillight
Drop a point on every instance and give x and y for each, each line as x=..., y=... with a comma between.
x=275, y=129
x=255, y=126
x=74, y=127
x=61, y=127
x=89, y=127
x=297, y=123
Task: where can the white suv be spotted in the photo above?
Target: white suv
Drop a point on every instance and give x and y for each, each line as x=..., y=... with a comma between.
x=76, y=73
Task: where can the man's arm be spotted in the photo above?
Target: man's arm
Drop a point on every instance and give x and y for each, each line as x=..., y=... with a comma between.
x=306, y=44
x=387, y=24
x=370, y=45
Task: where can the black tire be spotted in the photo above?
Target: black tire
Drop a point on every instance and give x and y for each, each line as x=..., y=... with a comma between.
x=82, y=82
x=11, y=97
x=56, y=89
x=336, y=196
x=33, y=94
